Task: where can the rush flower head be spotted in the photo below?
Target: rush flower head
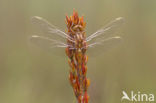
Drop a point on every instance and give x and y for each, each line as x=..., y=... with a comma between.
x=77, y=57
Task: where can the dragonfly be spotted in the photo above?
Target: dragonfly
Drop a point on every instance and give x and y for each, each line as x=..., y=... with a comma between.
x=55, y=39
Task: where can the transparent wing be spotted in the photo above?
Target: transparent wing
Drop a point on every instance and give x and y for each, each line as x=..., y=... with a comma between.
x=103, y=45
x=49, y=44
x=106, y=32
x=49, y=30
x=104, y=38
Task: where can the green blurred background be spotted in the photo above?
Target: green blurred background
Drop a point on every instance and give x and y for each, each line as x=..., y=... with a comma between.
x=31, y=75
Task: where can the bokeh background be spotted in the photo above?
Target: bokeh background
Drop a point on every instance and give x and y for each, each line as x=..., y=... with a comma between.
x=29, y=74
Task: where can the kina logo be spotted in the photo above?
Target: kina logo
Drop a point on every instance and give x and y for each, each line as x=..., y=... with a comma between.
x=138, y=96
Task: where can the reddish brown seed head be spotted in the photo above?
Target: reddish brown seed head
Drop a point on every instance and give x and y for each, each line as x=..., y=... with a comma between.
x=76, y=52
x=75, y=22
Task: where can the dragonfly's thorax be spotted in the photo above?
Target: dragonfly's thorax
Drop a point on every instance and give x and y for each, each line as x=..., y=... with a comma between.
x=76, y=32
x=79, y=42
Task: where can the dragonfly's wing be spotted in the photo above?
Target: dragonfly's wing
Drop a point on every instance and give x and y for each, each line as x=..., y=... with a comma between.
x=49, y=30
x=49, y=44
x=107, y=31
x=102, y=45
